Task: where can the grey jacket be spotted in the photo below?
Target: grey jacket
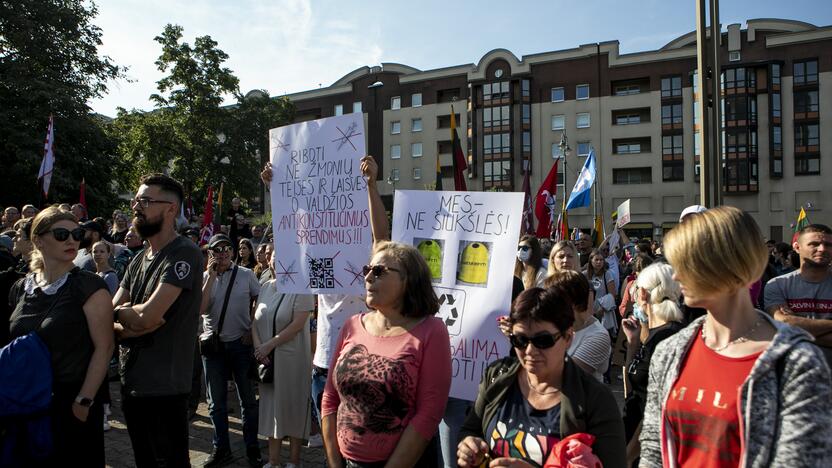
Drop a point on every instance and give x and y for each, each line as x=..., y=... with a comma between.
x=785, y=403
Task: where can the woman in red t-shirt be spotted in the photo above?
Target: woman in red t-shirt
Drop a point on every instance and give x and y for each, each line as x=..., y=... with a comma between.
x=734, y=388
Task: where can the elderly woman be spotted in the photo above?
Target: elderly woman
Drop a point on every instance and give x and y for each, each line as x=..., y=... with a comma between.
x=529, y=265
x=280, y=334
x=529, y=403
x=391, y=371
x=71, y=312
x=563, y=256
x=735, y=387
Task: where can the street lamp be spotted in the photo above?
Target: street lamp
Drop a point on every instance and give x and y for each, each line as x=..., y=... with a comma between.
x=564, y=150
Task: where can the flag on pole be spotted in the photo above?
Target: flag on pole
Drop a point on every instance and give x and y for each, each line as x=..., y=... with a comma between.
x=438, y=185
x=580, y=195
x=802, y=222
x=458, y=157
x=528, y=218
x=598, y=232
x=219, y=205
x=544, y=203
x=45, y=172
x=207, y=228
x=82, y=195
x=563, y=224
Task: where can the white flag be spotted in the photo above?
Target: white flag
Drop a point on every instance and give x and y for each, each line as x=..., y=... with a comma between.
x=45, y=172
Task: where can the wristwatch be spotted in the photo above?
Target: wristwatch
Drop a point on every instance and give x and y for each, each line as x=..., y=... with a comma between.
x=83, y=401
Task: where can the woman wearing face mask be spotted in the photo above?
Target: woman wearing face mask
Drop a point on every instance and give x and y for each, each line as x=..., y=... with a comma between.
x=656, y=309
x=529, y=265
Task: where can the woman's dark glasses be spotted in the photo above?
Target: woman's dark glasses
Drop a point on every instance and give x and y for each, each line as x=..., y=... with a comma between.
x=539, y=341
x=62, y=234
x=378, y=270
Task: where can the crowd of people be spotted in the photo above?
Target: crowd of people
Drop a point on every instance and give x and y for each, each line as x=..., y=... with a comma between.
x=724, y=340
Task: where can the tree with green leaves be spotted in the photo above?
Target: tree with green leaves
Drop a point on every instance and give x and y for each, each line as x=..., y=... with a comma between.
x=49, y=64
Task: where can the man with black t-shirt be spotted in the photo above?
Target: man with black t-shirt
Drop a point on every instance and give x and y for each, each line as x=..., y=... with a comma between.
x=157, y=312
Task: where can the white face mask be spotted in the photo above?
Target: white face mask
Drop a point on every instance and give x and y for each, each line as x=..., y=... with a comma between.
x=524, y=255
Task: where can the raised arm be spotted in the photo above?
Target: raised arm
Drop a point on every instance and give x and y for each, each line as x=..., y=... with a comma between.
x=378, y=215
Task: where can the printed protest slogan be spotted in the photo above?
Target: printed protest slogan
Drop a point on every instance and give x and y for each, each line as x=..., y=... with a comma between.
x=320, y=213
x=469, y=240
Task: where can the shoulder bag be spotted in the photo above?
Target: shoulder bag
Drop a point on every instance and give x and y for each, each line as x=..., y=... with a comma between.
x=265, y=372
x=210, y=344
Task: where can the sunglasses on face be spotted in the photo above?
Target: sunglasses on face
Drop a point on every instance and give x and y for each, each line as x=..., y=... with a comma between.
x=222, y=249
x=62, y=234
x=523, y=247
x=378, y=270
x=539, y=341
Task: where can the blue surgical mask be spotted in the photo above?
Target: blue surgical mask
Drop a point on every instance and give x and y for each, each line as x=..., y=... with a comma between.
x=639, y=313
x=524, y=255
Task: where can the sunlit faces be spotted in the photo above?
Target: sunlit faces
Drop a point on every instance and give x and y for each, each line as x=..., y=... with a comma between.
x=541, y=361
x=815, y=248
x=565, y=260
x=244, y=250
x=387, y=289
x=222, y=254
x=597, y=262
x=100, y=253
x=61, y=251
x=149, y=208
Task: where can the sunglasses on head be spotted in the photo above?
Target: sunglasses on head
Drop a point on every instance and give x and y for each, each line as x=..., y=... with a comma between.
x=539, y=341
x=62, y=234
x=378, y=270
x=222, y=249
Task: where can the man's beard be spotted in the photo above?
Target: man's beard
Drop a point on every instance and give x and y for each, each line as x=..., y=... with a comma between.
x=811, y=264
x=147, y=228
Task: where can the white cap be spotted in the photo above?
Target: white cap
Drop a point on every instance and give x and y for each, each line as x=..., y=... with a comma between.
x=693, y=209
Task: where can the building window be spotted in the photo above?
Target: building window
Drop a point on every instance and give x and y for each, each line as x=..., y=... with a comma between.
x=417, y=173
x=671, y=114
x=556, y=152
x=628, y=119
x=582, y=120
x=673, y=163
x=356, y=107
x=495, y=90
x=806, y=135
x=558, y=95
x=628, y=148
x=806, y=164
x=777, y=138
x=527, y=142
x=632, y=175
x=671, y=86
x=527, y=113
x=339, y=109
x=739, y=78
x=394, y=174
x=395, y=103
x=495, y=116
x=735, y=107
x=558, y=122
x=582, y=91
x=416, y=150
x=496, y=171
x=805, y=101
x=395, y=127
x=805, y=72
x=496, y=143
x=626, y=90
x=525, y=88
x=775, y=74
x=583, y=148
x=672, y=144
x=416, y=100
x=775, y=105
x=416, y=125
x=395, y=151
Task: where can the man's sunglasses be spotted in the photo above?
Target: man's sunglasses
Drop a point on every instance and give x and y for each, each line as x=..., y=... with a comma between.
x=62, y=234
x=378, y=270
x=539, y=341
x=222, y=249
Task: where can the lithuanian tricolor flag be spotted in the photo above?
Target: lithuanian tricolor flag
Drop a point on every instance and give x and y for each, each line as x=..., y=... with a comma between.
x=802, y=222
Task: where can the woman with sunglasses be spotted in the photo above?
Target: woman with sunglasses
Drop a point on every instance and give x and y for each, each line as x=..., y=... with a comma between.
x=528, y=403
x=529, y=265
x=391, y=372
x=71, y=312
x=735, y=387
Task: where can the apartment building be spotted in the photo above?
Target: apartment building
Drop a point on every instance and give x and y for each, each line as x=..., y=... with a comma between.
x=637, y=111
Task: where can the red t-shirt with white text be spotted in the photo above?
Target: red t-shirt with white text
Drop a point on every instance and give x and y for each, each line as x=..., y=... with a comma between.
x=702, y=408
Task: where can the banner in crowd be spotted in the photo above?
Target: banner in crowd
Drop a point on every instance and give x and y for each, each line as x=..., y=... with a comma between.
x=320, y=213
x=469, y=240
x=623, y=213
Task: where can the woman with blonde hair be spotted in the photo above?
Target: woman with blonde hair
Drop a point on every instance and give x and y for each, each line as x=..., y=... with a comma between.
x=564, y=256
x=70, y=310
x=529, y=265
x=101, y=253
x=735, y=387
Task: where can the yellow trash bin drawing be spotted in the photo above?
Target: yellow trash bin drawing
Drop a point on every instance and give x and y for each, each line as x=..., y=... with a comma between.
x=473, y=266
x=432, y=252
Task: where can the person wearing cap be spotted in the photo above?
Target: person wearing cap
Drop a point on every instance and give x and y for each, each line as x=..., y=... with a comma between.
x=93, y=231
x=229, y=294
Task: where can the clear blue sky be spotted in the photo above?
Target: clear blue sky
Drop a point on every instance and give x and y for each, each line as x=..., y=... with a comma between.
x=286, y=46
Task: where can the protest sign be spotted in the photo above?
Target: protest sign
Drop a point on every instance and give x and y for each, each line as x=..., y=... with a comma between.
x=320, y=212
x=623, y=213
x=469, y=240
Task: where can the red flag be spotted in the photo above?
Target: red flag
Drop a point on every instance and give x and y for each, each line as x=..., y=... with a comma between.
x=458, y=157
x=528, y=217
x=208, y=221
x=82, y=196
x=544, y=203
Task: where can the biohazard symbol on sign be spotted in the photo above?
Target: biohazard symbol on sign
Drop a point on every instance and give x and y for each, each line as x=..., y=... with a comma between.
x=451, y=308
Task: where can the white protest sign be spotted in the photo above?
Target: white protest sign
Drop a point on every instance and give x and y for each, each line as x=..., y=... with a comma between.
x=469, y=240
x=320, y=213
x=623, y=213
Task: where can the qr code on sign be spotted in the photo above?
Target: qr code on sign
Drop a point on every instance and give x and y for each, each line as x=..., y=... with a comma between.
x=321, y=273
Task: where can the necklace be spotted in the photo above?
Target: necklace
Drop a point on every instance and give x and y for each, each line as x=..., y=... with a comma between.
x=528, y=381
x=741, y=339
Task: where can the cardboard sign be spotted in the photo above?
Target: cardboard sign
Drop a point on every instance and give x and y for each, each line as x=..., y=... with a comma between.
x=320, y=212
x=469, y=240
x=623, y=213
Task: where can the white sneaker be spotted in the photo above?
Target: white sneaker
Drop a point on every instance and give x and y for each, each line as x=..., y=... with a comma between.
x=290, y=465
x=107, y=411
x=315, y=441
x=106, y=424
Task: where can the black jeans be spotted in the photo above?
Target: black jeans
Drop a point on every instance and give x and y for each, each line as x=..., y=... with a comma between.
x=158, y=428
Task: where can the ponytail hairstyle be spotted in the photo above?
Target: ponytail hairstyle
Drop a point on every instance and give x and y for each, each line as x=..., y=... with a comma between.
x=657, y=280
x=42, y=223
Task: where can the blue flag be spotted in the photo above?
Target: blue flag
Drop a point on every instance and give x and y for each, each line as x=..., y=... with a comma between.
x=580, y=195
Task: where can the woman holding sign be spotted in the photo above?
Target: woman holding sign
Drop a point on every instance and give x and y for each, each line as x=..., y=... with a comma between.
x=391, y=371
x=539, y=407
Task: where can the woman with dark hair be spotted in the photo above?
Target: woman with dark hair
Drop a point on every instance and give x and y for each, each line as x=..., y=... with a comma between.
x=245, y=255
x=529, y=265
x=528, y=403
x=599, y=276
x=391, y=372
x=262, y=257
x=71, y=312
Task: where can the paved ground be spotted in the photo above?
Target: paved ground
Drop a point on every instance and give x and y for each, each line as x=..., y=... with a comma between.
x=119, y=453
